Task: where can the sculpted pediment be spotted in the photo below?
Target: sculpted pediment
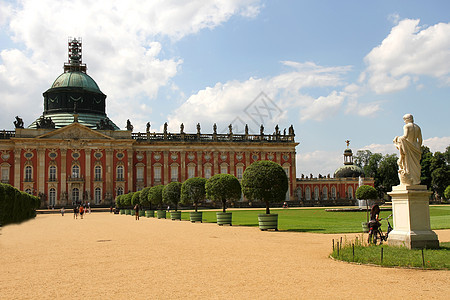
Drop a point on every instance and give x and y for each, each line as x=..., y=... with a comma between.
x=74, y=131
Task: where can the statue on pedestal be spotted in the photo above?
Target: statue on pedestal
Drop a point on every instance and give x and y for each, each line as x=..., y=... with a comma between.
x=409, y=145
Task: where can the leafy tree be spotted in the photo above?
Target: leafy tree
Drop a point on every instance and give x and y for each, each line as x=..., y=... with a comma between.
x=144, y=197
x=223, y=187
x=136, y=199
x=440, y=175
x=193, y=191
x=265, y=180
x=362, y=157
x=155, y=195
x=447, y=193
x=366, y=192
x=172, y=194
x=425, y=163
x=388, y=171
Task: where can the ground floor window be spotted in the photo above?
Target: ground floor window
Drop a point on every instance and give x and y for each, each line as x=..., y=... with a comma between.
x=75, y=195
x=52, y=197
x=98, y=195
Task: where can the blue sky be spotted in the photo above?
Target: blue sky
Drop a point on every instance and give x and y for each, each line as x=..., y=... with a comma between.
x=335, y=70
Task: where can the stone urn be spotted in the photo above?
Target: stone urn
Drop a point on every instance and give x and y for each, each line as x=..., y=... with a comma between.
x=269, y=221
x=223, y=218
x=161, y=214
x=196, y=217
x=175, y=215
x=150, y=213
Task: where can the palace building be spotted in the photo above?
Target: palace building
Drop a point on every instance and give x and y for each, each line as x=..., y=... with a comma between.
x=74, y=153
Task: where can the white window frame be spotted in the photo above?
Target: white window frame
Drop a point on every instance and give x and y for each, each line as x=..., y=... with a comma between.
x=120, y=172
x=98, y=172
x=52, y=196
x=191, y=172
x=157, y=173
x=28, y=173
x=97, y=195
x=173, y=173
x=325, y=193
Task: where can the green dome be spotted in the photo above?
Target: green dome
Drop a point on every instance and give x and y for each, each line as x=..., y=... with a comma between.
x=349, y=171
x=76, y=79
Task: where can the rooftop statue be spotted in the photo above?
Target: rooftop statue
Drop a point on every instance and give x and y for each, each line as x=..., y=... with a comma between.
x=148, y=127
x=129, y=126
x=409, y=145
x=18, y=123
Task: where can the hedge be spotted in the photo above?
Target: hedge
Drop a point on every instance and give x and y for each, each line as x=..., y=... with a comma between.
x=16, y=206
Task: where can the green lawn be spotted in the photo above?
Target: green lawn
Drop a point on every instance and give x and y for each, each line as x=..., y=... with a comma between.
x=395, y=256
x=320, y=221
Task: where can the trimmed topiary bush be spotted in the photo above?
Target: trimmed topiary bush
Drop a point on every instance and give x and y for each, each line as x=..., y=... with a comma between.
x=16, y=206
x=265, y=180
x=155, y=195
x=223, y=188
x=172, y=193
x=193, y=191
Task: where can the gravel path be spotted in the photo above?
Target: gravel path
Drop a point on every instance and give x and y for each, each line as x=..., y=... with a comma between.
x=107, y=256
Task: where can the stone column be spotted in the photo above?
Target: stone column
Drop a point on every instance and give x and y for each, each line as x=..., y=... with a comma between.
x=232, y=167
x=410, y=208
x=183, y=166
x=63, y=174
x=293, y=178
x=109, y=174
x=130, y=154
x=17, y=169
x=41, y=171
x=149, y=168
x=165, y=177
x=87, y=175
x=199, y=164
x=216, y=162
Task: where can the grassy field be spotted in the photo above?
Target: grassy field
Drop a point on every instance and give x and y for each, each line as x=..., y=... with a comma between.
x=395, y=256
x=320, y=221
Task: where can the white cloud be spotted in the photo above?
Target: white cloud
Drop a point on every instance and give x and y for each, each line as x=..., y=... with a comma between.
x=408, y=51
x=318, y=162
x=434, y=143
x=120, y=41
x=437, y=143
x=225, y=102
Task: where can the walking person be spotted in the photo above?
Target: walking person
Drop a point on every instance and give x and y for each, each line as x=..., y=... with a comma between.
x=75, y=212
x=136, y=209
x=62, y=211
x=81, y=212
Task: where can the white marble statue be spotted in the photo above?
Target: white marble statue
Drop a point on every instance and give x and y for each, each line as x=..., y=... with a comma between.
x=409, y=146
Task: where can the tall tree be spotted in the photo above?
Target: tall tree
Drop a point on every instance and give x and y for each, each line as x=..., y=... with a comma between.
x=172, y=194
x=440, y=174
x=362, y=158
x=425, y=163
x=388, y=172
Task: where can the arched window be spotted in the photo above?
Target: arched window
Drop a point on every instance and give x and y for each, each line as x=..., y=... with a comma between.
x=316, y=193
x=191, y=171
x=119, y=172
x=52, y=173
x=174, y=173
x=28, y=173
x=208, y=172
x=52, y=197
x=75, y=195
x=325, y=193
x=307, y=193
x=350, y=192
x=239, y=172
x=75, y=171
x=299, y=193
x=333, y=192
x=97, y=195
x=223, y=169
x=98, y=172
x=119, y=191
x=157, y=173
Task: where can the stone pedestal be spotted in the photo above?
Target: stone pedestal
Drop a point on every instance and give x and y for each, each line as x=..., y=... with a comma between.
x=411, y=211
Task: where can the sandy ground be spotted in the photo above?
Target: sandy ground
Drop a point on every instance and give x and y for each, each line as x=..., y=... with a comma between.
x=107, y=256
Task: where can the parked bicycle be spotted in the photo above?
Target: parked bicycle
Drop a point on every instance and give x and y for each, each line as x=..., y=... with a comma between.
x=375, y=232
